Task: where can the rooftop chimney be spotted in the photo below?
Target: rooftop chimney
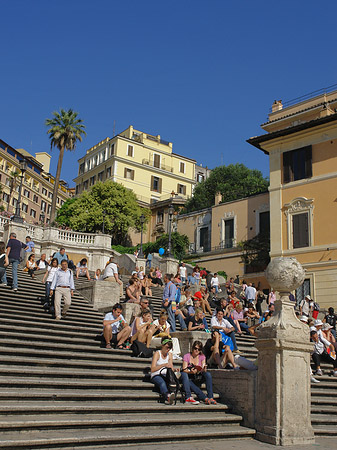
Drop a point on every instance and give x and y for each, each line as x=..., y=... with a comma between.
x=276, y=106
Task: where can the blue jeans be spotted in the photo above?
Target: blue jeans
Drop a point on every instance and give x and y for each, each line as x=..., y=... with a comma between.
x=172, y=319
x=190, y=386
x=48, y=284
x=160, y=383
x=244, y=326
x=3, y=278
x=15, y=263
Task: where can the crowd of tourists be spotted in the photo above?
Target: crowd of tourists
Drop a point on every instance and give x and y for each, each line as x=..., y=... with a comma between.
x=198, y=301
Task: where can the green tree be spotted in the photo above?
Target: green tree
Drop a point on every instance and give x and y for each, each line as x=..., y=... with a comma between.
x=65, y=129
x=255, y=252
x=85, y=212
x=179, y=244
x=234, y=182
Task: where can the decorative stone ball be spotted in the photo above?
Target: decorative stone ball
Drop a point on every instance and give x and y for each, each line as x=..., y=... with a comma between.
x=285, y=274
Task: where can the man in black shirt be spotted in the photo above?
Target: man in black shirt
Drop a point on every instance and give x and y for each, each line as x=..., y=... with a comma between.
x=217, y=354
x=13, y=251
x=331, y=319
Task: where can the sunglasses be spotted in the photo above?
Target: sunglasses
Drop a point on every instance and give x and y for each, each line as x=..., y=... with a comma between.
x=197, y=348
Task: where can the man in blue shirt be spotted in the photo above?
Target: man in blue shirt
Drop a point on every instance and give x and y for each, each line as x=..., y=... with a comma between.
x=62, y=256
x=169, y=296
x=30, y=246
x=63, y=285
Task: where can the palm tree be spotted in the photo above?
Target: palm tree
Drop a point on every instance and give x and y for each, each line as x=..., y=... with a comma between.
x=14, y=174
x=65, y=130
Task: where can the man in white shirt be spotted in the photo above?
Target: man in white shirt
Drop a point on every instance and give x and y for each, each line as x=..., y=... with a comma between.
x=306, y=306
x=115, y=329
x=111, y=274
x=183, y=273
x=63, y=285
x=219, y=323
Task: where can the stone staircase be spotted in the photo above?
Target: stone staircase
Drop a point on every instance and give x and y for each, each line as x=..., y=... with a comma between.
x=59, y=389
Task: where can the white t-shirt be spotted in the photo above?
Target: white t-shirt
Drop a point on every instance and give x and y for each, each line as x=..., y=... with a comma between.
x=42, y=264
x=215, y=281
x=114, y=326
x=51, y=273
x=141, y=275
x=306, y=307
x=224, y=323
x=110, y=270
x=250, y=293
x=182, y=271
x=163, y=327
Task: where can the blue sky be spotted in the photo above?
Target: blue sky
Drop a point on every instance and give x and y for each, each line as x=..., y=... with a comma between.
x=201, y=74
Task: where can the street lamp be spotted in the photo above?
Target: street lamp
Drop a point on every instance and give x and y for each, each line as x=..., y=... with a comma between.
x=142, y=220
x=17, y=217
x=170, y=215
x=104, y=214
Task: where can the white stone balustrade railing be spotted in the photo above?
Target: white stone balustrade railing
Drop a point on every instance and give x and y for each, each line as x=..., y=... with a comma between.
x=72, y=236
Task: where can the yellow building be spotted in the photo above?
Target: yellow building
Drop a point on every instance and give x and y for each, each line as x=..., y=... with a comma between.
x=141, y=162
x=37, y=185
x=215, y=232
x=301, y=142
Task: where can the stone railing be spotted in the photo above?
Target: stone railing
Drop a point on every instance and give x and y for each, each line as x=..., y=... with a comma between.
x=72, y=236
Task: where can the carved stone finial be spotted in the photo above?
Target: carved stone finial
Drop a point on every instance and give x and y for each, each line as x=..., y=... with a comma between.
x=285, y=274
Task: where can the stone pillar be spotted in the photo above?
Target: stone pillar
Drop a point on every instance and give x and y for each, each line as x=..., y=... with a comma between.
x=102, y=295
x=283, y=384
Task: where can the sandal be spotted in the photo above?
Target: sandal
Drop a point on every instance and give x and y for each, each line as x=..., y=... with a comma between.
x=212, y=401
x=108, y=346
x=120, y=347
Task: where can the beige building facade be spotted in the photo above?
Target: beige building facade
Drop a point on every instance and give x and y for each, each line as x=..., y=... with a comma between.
x=214, y=234
x=301, y=142
x=37, y=184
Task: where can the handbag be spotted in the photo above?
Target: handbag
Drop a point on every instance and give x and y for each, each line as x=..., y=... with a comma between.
x=226, y=340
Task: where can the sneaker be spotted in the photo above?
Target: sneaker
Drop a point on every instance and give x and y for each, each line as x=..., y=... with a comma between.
x=57, y=318
x=319, y=372
x=192, y=401
x=236, y=351
x=177, y=357
x=3, y=284
x=335, y=373
x=313, y=379
x=170, y=398
x=15, y=289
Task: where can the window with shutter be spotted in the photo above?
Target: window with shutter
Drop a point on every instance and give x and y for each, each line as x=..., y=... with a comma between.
x=300, y=230
x=156, y=161
x=297, y=164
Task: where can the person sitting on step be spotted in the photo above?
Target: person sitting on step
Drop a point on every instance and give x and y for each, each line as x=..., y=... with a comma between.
x=239, y=319
x=217, y=354
x=146, y=286
x=194, y=372
x=161, y=361
x=31, y=265
x=141, y=329
x=115, y=329
x=320, y=354
x=219, y=323
x=198, y=321
x=82, y=269
x=132, y=294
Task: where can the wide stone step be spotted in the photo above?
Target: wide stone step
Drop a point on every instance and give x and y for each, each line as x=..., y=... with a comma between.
x=79, y=384
x=51, y=364
x=67, y=439
x=36, y=306
x=51, y=325
x=323, y=392
x=322, y=419
x=61, y=408
x=323, y=409
x=102, y=421
x=80, y=374
x=325, y=430
x=77, y=395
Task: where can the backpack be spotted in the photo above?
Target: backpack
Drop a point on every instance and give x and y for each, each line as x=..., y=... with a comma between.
x=140, y=350
x=172, y=382
x=316, y=306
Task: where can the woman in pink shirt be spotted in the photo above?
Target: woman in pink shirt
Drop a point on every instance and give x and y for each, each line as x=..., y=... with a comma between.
x=194, y=370
x=239, y=319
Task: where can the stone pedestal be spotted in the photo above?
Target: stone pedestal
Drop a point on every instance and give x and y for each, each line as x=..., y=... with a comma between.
x=283, y=382
x=186, y=339
x=100, y=294
x=130, y=311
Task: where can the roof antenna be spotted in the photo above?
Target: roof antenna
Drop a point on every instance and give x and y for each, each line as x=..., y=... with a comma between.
x=114, y=129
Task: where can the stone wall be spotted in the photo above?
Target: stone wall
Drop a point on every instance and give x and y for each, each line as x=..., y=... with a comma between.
x=101, y=295
x=238, y=388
